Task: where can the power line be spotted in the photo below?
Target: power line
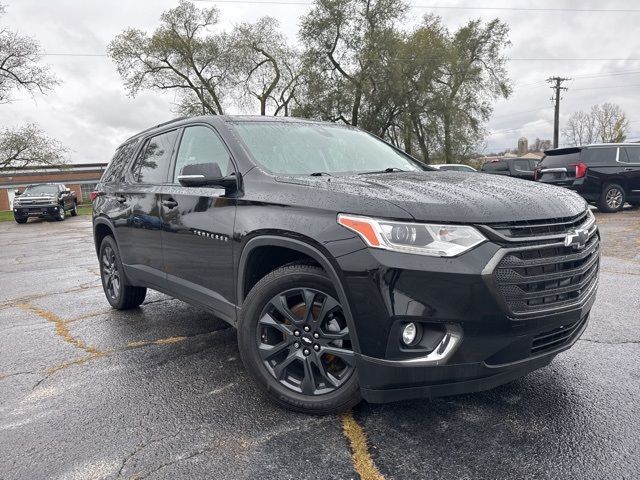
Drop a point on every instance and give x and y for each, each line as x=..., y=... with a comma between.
x=442, y=7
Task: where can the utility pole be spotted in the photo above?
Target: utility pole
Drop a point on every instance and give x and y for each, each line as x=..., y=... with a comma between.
x=556, y=85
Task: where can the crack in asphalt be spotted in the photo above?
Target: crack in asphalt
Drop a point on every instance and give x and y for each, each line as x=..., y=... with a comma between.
x=609, y=343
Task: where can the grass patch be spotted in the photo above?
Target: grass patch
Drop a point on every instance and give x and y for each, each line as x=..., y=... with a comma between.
x=82, y=210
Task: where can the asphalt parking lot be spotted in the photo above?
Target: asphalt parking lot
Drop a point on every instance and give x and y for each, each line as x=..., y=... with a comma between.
x=159, y=392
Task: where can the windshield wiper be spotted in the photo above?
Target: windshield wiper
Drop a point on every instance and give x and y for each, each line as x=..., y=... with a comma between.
x=386, y=170
x=319, y=174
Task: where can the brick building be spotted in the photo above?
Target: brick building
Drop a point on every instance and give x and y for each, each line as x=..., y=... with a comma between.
x=81, y=178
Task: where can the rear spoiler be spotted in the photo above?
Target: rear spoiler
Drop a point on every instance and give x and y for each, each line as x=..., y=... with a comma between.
x=562, y=151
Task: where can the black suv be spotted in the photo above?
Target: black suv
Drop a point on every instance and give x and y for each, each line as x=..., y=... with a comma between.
x=350, y=269
x=605, y=174
x=511, y=167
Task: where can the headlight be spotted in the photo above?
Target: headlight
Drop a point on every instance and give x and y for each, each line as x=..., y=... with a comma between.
x=421, y=238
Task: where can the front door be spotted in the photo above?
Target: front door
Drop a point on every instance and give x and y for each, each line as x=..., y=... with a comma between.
x=198, y=227
x=138, y=226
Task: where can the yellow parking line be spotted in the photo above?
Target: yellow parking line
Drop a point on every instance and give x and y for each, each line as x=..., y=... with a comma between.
x=362, y=461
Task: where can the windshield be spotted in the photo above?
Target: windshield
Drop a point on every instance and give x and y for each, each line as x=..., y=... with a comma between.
x=303, y=148
x=40, y=190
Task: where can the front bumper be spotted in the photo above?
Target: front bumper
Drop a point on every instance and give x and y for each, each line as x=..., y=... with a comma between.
x=388, y=289
x=49, y=210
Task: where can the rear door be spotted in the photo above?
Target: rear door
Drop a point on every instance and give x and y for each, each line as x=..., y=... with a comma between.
x=630, y=158
x=138, y=224
x=496, y=167
x=198, y=226
x=521, y=168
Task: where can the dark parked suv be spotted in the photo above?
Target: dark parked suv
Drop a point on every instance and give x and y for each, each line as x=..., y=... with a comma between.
x=511, y=167
x=605, y=174
x=350, y=270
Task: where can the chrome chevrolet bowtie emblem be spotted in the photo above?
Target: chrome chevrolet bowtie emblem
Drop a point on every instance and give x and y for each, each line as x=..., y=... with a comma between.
x=577, y=239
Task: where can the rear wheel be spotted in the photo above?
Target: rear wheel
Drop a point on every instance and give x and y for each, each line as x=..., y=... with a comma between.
x=635, y=203
x=611, y=199
x=119, y=293
x=295, y=343
x=74, y=210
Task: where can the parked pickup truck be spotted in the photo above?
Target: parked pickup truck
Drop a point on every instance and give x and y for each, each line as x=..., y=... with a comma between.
x=44, y=200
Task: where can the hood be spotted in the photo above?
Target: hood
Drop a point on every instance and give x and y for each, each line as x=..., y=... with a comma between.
x=449, y=196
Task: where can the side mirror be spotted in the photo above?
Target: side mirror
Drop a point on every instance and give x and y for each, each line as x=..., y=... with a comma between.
x=17, y=192
x=67, y=191
x=206, y=175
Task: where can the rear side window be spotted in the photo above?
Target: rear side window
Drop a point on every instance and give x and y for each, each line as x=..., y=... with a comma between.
x=499, y=166
x=630, y=155
x=123, y=154
x=522, y=165
x=153, y=162
x=600, y=155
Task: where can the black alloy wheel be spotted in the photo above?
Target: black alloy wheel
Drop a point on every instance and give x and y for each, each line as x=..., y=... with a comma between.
x=303, y=340
x=295, y=341
x=119, y=293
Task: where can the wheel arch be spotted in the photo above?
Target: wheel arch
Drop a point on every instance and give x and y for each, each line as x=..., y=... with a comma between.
x=307, y=250
x=102, y=228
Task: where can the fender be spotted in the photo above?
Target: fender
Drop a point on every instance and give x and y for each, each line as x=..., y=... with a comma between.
x=311, y=251
x=103, y=220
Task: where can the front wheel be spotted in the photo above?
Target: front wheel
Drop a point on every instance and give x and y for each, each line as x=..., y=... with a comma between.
x=295, y=342
x=61, y=213
x=21, y=220
x=612, y=198
x=119, y=293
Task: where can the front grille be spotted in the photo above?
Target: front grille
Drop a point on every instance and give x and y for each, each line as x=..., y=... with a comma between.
x=536, y=228
x=545, y=277
x=556, y=338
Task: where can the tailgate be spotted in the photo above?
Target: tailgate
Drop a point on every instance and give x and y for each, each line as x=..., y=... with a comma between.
x=558, y=166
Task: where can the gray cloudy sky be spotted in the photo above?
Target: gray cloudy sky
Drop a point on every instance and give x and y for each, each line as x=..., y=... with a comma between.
x=91, y=113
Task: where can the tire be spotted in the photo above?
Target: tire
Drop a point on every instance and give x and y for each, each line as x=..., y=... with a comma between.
x=61, y=214
x=119, y=293
x=315, y=366
x=634, y=203
x=21, y=220
x=74, y=210
x=611, y=199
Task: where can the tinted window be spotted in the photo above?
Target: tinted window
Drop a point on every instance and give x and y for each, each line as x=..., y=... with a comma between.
x=201, y=145
x=304, y=148
x=533, y=164
x=631, y=154
x=123, y=154
x=600, y=155
x=153, y=162
x=497, y=166
x=522, y=165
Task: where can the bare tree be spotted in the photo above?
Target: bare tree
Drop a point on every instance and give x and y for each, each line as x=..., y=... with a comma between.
x=29, y=145
x=604, y=123
x=540, y=145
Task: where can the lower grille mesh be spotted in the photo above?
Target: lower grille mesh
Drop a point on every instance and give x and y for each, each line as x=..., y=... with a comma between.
x=556, y=338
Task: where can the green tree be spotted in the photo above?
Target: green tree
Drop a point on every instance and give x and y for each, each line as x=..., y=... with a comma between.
x=29, y=145
x=181, y=55
x=21, y=71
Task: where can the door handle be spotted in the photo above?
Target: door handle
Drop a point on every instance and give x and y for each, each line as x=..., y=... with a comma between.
x=170, y=203
x=121, y=199
x=628, y=169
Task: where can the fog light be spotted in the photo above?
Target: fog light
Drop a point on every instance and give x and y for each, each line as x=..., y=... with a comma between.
x=409, y=333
